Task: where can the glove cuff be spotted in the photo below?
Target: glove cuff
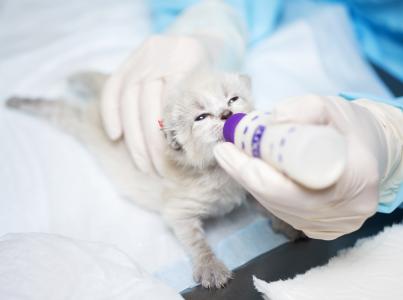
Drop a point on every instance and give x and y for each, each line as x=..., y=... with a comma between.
x=223, y=33
x=390, y=120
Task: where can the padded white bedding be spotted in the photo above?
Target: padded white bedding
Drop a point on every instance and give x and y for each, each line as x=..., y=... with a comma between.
x=38, y=266
x=50, y=184
x=371, y=270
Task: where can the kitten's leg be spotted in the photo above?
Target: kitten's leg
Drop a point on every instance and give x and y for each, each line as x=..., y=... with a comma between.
x=277, y=224
x=282, y=227
x=207, y=268
x=88, y=85
x=59, y=113
x=71, y=118
x=84, y=123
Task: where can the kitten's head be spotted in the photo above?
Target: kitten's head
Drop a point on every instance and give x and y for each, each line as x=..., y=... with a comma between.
x=195, y=111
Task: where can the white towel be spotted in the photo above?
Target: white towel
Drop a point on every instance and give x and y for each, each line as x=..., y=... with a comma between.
x=371, y=270
x=38, y=266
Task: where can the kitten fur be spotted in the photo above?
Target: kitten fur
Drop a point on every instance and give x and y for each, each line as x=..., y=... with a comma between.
x=195, y=187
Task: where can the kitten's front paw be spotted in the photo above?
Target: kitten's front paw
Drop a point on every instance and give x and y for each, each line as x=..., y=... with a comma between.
x=211, y=273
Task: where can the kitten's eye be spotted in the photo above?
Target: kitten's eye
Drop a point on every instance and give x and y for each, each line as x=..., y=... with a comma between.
x=201, y=117
x=232, y=100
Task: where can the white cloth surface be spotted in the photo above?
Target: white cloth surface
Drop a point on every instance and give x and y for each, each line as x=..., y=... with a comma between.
x=51, y=184
x=371, y=270
x=37, y=266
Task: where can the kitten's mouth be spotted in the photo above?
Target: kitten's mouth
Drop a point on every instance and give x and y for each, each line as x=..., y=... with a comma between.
x=221, y=139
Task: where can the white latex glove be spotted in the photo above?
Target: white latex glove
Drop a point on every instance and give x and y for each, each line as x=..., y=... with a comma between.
x=131, y=100
x=374, y=153
x=207, y=35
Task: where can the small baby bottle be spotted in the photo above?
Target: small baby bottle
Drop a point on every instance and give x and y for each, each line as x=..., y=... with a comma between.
x=312, y=155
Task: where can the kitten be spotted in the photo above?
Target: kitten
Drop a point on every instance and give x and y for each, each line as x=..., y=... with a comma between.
x=195, y=186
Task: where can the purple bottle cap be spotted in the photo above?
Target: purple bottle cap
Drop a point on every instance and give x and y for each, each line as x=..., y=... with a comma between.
x=230, y=126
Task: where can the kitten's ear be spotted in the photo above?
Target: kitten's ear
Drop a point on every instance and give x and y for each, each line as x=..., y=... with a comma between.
x=172, y=142
x=245, y=79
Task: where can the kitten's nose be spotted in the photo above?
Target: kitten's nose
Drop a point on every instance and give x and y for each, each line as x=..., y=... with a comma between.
x=226, y=114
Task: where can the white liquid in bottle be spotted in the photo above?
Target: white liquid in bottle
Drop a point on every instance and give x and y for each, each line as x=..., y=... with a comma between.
x=312, y=155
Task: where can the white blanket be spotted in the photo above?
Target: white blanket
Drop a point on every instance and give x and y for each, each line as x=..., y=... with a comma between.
x=371, y=270
x=36, y=266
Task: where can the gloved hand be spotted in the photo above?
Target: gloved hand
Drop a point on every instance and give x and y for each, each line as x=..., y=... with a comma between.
x=131, y=100
x=374, y=153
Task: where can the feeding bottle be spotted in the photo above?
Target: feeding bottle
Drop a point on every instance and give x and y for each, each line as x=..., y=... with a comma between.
x=312, y=155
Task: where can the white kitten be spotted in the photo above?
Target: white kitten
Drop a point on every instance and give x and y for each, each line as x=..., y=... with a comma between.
x=195, y=186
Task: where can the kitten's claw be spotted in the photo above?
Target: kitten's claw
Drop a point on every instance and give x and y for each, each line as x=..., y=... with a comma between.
x=212, y=274
x=282, y=227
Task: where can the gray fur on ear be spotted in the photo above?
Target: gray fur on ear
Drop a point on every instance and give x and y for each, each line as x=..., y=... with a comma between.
x=172, y=142
x=246, y=80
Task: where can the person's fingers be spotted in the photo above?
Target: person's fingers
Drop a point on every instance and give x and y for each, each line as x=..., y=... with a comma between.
x=254, y=174
x=156, y=58
x=173, y=80
x=330, y=228
x=292, y=203
x=310, y=109
x=249, y=171
x=173, y=55
x=323, y=235
x=326, y=228
x=110, y=107
x=138, y=67
x=151, y=110
x=268, y=184
x=231, y=159
x=133, y=135
x=198, y=57
x=113, y=90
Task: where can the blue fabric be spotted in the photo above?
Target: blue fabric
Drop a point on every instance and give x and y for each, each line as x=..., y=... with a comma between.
x=261, y=16
x=235, y=250
x=164, y=12
x=379, y=30
x=378, y=24
x=397, y=102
